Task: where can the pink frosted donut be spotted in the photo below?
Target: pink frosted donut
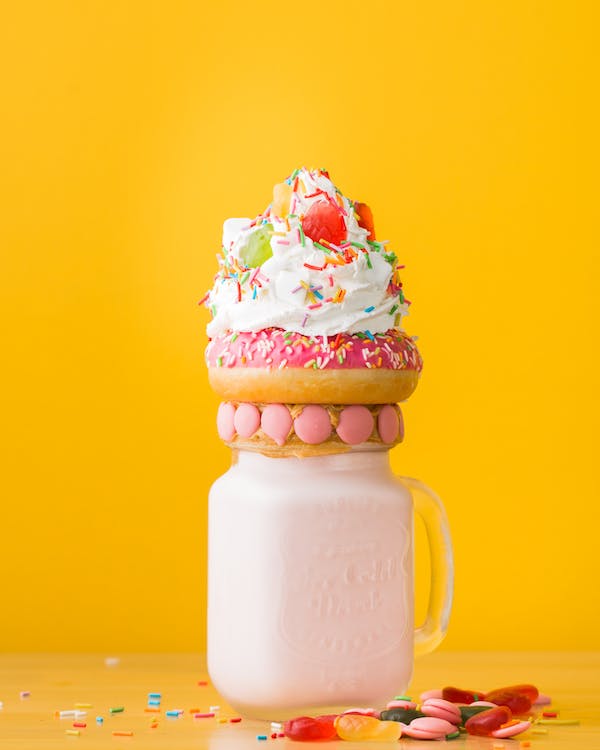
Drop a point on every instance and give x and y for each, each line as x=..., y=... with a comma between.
x=273, y=366
x=511, y=730
x=355, y=424
x=276, y=422
x=428, y=728
x=313, y=426
x=441, y=709
x=246, y=420
x=225, y=417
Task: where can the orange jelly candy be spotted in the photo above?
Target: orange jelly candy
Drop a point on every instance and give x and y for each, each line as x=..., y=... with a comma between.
x=282, y=194
x=365, y=218
x=357, y=727
x=517, y=702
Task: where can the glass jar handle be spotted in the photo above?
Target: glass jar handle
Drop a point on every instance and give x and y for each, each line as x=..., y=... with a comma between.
x=430, y=508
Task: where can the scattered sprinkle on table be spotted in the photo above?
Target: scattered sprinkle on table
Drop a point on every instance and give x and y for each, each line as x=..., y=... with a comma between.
x=122, y=734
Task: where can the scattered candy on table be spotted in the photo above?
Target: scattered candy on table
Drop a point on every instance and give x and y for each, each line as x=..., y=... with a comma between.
x=441, y=714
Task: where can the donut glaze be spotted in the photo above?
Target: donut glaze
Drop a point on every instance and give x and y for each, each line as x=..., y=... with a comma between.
x=274, y=349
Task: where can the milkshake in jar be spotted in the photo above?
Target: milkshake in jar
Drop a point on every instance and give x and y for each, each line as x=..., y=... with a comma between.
x=310, y=590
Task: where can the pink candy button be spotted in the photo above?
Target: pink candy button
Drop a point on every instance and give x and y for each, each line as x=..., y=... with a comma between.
x=313, y=426
x=246, y=420
x=225, y=417
x=276, y=421
x=355, y=425
x=401, y=704
x=389, y=424
x=428, y=728
x=441, y=709
x=510, y=731
x=436, y=693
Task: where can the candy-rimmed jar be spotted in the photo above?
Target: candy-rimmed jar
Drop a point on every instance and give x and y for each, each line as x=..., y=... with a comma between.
x=311, y=598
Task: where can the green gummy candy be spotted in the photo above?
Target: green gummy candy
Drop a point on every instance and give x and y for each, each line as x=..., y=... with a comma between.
x=405, y=715
x=257, y=249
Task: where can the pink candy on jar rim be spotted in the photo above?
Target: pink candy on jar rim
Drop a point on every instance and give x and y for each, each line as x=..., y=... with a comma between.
x=276, y=422
x=355, y=424
x=246, y=420
x=225, y=417
x=313, y=425
x=390, y=424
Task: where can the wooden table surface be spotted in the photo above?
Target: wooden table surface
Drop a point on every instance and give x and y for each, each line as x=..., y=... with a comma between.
x=58, y=682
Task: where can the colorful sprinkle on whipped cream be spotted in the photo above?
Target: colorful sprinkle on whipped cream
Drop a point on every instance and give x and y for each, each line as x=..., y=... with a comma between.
x=310, y=263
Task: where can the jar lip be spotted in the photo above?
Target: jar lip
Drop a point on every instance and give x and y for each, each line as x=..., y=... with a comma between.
x=358, y=457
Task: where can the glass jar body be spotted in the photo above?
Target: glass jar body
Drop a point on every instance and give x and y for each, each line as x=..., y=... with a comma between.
x=311, y=602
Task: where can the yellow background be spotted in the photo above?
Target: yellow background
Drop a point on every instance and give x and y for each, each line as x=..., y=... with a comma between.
x=130, y=131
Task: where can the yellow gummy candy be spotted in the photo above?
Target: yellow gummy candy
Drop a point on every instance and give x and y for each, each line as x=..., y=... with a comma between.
x=356, y=727
x=282, y=194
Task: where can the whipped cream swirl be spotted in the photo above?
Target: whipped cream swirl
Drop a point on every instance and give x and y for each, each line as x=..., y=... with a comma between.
x=305, y=286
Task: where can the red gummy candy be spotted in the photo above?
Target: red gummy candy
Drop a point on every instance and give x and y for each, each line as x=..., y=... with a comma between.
x=323, y=221
x=518, y=703
x=529, y=690
x=456, y=695
x=310, y=729
x=486, y=722
x=365, y=218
